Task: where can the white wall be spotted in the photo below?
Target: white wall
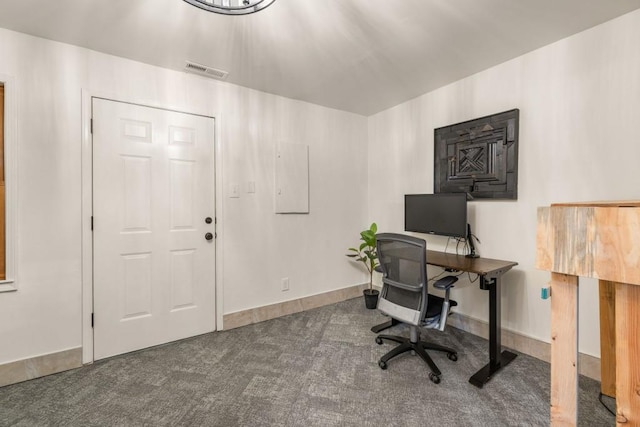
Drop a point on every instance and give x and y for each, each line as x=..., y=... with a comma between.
x=579, y=102
x=258, y=247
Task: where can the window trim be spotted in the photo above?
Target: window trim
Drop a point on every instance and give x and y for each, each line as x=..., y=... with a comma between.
x=10, y=158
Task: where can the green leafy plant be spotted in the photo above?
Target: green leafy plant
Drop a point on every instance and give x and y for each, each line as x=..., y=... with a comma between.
x=366, y=253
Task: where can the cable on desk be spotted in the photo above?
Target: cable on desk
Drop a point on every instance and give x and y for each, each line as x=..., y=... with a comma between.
x=605, y=405
x=437, y=275
x=464, y=247
x=458, y=240
x=447, y=245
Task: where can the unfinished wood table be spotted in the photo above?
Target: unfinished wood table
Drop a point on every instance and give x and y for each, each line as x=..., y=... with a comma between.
x=599, y=240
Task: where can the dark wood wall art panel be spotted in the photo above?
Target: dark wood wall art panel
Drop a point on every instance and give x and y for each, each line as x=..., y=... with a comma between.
x=479, y=157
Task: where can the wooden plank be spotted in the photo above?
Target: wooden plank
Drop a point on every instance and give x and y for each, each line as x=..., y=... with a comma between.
x=598, y=242
x=627, y=355
x=573, y=240
x=1, y=133
x=617, y=245
x=562, y=241
x=607, y=338
x=603, y=204
x=544, y=240
x=3, y=260
x=3, y=264
x=564, y=350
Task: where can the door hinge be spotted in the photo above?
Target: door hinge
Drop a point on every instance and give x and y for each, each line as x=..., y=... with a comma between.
x=92, y=223
x=215, y=234
x=91, y=126
x=92, y=320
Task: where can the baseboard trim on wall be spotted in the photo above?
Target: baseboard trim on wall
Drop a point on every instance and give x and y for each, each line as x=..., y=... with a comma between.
x=35, y=367
x=268, y=312
x=40, y=366
x=588, y=366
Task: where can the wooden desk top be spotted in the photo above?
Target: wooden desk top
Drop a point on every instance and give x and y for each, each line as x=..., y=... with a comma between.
x=481, y=266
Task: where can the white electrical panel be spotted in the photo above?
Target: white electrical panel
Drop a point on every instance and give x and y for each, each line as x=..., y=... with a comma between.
x=292, y=178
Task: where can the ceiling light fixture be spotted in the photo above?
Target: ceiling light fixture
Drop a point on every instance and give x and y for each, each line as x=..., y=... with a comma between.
x=231, y=7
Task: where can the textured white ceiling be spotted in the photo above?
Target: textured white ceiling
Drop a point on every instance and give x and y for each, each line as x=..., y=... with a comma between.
x=362, y=56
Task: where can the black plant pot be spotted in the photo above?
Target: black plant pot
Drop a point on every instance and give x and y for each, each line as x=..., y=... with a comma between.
x=371, y=298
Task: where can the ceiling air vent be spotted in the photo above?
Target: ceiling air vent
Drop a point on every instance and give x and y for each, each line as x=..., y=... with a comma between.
x=203, y=70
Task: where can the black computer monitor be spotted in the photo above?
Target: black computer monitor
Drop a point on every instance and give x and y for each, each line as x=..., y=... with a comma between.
x=444, y=214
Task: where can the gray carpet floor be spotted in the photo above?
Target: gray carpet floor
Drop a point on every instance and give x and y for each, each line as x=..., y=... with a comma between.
x=317, y=368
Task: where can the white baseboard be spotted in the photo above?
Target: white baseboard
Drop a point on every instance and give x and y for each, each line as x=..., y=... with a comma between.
x=267, y=312
x=39, y=366
x=588, y=366
x=35, y=367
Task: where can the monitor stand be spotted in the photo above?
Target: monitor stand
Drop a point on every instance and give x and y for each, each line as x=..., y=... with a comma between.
x=472, y=248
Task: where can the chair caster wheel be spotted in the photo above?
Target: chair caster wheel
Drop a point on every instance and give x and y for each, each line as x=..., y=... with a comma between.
x=378, y=340
x=434, y=378
x=382, y=364
x=452, y=356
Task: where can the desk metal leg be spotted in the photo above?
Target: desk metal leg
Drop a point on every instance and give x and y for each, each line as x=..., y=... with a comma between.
x=497, y=359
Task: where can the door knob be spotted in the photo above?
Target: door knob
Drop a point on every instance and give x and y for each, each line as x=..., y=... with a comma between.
x=208, y=236
x=208, y=220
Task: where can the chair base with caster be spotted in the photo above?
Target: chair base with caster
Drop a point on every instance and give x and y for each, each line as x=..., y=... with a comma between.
x=420, y=348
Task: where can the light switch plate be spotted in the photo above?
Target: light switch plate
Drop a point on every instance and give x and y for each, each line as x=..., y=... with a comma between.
x=234, y=191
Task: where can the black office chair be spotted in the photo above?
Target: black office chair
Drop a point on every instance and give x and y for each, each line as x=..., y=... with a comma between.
x=404, y=297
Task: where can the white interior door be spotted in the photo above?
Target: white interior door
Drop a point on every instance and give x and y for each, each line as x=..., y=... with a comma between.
x=153, y=192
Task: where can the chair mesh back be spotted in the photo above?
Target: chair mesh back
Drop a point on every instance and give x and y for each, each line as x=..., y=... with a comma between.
x=403, y=262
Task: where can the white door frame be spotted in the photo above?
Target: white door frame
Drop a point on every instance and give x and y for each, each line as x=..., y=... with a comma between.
x=87, y=210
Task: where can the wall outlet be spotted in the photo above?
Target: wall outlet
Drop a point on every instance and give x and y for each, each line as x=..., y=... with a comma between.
x=285, y=284
x=545, y=293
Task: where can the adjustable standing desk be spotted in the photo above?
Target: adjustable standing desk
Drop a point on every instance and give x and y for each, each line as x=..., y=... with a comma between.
x=490, y=272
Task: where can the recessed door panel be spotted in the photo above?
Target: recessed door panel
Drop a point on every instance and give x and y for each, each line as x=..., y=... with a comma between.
x=182, y=136
x=136, y=285
x=182, y=279
x=182, y=177
x=136, y=188
x=135, y=130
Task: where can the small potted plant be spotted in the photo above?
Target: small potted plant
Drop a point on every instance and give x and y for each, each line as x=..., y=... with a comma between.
x=366, y=253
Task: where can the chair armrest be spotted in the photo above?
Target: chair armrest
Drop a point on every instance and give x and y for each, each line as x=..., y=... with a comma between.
x=446, y=282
